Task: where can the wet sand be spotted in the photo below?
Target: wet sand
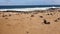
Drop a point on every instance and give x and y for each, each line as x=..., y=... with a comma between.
x=36, y=22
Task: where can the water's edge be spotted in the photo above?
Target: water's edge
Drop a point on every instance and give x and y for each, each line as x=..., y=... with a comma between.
x=28, y=9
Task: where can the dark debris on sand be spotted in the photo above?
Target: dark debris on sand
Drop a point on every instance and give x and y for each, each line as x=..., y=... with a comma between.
x=41, y=16
x=32, y=15
x=45, y=22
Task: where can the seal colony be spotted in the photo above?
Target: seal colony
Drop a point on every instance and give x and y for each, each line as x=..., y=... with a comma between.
x=30, y=22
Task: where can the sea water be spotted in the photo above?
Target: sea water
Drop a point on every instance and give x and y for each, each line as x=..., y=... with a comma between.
x=27, y=7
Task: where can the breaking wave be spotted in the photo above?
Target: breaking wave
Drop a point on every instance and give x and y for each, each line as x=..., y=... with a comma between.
x=28, y=9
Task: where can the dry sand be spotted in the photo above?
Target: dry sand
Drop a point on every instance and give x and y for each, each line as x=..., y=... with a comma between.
x=30, y=23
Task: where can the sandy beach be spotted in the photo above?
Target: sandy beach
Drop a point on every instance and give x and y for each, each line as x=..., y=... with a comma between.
x=31, y=22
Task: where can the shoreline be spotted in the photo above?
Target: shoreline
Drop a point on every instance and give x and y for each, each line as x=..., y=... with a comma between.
x=47, y=10
x=29, y=9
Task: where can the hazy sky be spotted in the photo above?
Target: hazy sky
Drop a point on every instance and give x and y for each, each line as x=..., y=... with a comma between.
x=29, y=2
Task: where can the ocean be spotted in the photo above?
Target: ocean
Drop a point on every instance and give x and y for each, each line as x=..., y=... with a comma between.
x=26, y=7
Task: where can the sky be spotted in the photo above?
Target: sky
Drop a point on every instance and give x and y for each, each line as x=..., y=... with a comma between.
x=29, y=2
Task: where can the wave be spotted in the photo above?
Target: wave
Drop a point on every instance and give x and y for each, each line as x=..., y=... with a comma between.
x=28, y=9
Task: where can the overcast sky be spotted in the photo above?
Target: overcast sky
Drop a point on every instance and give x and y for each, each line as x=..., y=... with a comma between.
x=29, y=2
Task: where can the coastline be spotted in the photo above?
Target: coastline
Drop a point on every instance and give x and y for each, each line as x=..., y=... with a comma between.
x=28, y=9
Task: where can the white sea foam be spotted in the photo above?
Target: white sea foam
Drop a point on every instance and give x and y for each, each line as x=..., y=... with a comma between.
x=27, y=9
